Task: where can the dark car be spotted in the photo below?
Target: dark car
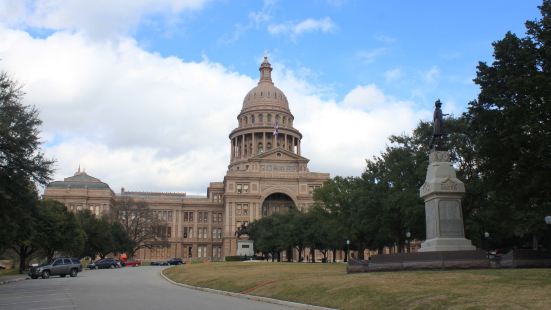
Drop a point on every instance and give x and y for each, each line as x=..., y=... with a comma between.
x=61, y=266
x=154, y=263
x=104, y=263
x=175, y=261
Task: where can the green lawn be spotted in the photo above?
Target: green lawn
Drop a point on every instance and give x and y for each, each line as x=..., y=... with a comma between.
x=329, y=285
x=8, y=272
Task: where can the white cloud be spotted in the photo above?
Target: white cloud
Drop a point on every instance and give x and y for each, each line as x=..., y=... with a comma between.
x=369, y=56
x=385, y=39
x=147, y=122
x=97, y=18
x=255, y=19
x=393, y=74
x=295, y=29
x=431, y=76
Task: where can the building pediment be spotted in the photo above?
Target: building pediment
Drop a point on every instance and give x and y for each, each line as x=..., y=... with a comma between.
x=280, y=155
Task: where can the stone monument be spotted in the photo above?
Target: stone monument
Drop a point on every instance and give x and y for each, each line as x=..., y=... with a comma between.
x=245, y=246
x=442, y=192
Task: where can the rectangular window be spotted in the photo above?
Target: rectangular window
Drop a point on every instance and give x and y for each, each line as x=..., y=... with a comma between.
x=186, y=218
x=245, y=209
x=169, y=232
x=202, y=251
x=242, y=188
x=170, y=216
x=188, y=232
x=312, y=188
x=238, y=209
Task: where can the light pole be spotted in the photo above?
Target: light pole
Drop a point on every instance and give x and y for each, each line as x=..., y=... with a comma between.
x=408, y=235
x=486, y=236
x=548, y=222
x=347, y=250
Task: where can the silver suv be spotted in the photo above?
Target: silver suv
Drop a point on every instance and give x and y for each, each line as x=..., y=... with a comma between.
x=61, y=266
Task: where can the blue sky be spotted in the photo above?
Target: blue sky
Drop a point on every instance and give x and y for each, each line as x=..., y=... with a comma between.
x=143, y=93
x=367, y=40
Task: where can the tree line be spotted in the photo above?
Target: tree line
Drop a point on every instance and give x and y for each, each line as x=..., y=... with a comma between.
x=500, y=147
x=33, y=227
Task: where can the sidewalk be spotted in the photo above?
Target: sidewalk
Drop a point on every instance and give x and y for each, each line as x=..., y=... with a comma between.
x=12, y=278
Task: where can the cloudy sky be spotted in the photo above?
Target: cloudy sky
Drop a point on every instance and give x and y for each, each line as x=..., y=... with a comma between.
x=143, y=93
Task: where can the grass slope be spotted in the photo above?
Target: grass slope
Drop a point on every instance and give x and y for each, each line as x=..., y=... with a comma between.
x=329, y=285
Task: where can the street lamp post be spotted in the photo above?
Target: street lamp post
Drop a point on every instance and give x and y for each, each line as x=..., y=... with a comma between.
x=408, y=235
x=486, y=236
x=347, y=251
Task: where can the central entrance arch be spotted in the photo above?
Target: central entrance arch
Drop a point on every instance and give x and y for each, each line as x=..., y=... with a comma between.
x=276, y=203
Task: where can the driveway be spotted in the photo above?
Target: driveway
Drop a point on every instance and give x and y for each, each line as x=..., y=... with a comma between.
x=126, y=288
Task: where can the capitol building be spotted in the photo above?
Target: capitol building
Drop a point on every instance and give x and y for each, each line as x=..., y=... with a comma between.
x=266, y=174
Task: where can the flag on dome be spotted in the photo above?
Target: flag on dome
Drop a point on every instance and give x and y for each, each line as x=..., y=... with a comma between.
x=276, y=129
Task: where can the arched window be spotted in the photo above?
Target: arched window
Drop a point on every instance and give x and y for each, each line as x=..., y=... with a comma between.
x=252, y=119
x=246, y=120
x=260, y=148
x=260, y=118
x=277, y=119
x=283, y=121
x=269, y=118
x=268, y=146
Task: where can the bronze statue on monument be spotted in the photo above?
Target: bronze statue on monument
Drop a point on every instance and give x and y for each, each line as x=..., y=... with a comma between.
x=437, y=141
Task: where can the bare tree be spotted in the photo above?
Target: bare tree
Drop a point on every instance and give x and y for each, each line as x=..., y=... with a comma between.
x=142, y=225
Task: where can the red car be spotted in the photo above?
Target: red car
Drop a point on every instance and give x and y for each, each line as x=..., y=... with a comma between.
x=132, y=263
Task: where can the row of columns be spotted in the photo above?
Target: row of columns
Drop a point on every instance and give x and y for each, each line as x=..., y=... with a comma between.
x=238, y=144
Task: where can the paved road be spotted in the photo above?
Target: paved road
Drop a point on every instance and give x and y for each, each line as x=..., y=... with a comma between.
x=120, y=289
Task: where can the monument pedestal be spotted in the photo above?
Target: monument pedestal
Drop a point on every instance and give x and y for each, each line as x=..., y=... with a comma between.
x=442, y=192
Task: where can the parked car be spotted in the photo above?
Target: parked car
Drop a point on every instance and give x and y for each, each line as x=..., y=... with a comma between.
x=175, y=261
x=61, y=266
x=104, y=264
x=155, y=263
x=132, y=263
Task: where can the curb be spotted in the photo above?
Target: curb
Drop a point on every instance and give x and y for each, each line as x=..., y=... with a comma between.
x=285, y=303
x=2, y=282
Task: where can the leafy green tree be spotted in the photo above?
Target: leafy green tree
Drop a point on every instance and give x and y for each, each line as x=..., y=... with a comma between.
x=58, y=230
x=99, y=239
x=21, y=160
x=23, y=239
x=511, y=128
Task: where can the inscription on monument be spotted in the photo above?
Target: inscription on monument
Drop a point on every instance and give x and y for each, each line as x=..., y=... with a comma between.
x=451, y=224
x=431, y=213
x=448, y=186
x=439, y=156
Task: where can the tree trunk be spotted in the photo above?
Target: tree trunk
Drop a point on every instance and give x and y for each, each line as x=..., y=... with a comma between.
x=313, y=255
x=23, y=252
x=289, y=255
x=300, y=258
x=334, y=255
x=361, y=255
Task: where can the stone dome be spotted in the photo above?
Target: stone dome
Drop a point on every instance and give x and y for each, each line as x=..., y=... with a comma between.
x=265, y=94
x=79, y=180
